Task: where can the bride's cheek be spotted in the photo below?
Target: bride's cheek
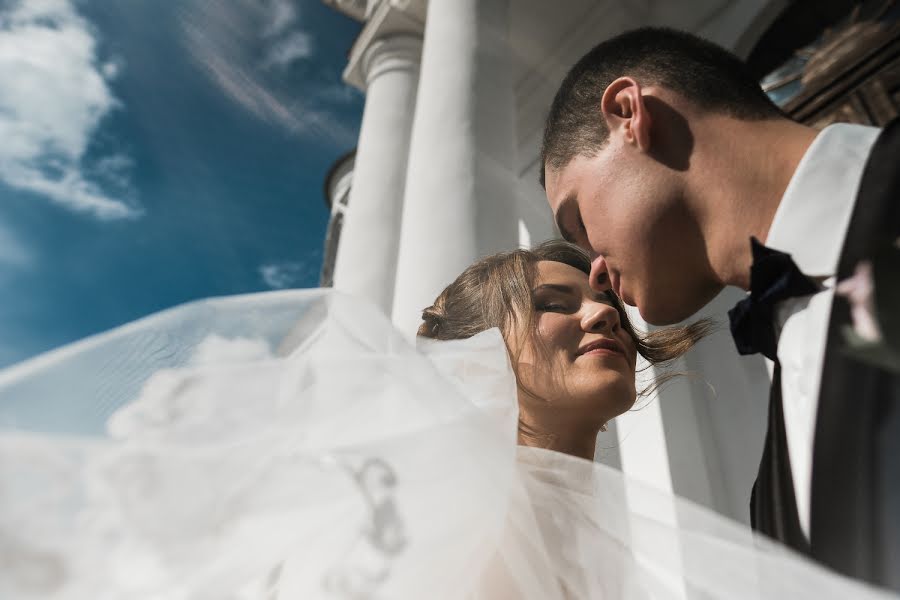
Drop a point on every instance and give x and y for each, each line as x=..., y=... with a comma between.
x=552, y=332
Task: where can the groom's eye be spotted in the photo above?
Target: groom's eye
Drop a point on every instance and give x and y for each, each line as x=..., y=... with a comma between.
x=578, y=233
x=569, y=222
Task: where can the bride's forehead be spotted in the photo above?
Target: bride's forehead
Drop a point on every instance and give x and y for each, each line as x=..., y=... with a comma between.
x=552, y=272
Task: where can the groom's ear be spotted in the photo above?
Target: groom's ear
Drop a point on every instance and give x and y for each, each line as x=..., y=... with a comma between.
x=625, y=112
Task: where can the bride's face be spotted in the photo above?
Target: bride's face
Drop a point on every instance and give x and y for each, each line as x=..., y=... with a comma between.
x=578, y=365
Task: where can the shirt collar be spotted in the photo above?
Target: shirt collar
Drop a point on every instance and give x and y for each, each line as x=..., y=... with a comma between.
x=814, y=214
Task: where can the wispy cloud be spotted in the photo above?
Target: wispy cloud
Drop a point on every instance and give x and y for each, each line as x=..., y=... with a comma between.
x=53, y=98
x=289, y=49
x=287, y=274
x=246, y=48
x=280, y=16
x=337, y=93
x=286, y=42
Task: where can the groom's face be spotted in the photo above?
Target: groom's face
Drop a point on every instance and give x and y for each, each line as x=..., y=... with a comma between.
x=629, y=212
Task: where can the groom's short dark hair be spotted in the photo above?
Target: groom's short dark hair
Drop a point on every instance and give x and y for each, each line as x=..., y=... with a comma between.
x=699, y=70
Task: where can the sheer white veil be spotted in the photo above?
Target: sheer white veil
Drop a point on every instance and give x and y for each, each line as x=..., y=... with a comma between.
x=294, y=445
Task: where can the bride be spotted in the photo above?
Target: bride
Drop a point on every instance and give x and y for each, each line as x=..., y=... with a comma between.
x=293, y=445
x=573, y=350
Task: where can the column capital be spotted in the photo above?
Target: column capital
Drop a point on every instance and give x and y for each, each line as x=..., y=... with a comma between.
x=387, y=23
x=394, y=52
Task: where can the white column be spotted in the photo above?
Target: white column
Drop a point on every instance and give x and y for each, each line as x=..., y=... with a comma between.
x=700, y=436
x=461, y=185
x=367, y=255
x=660, y=439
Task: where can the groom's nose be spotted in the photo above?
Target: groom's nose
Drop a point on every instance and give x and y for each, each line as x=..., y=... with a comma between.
x=599, y=277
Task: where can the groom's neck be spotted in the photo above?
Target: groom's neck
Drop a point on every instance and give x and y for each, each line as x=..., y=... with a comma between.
x=743, y=170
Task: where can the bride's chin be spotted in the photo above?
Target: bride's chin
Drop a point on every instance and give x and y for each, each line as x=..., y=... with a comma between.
x=616, y=399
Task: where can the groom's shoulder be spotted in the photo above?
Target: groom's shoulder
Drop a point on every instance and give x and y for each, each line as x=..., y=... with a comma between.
x=881, y=176
x=883, y=154
x=876, y=215
x=889, y=135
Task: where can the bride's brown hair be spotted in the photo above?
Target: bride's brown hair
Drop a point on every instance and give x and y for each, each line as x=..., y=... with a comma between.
x=496, y=292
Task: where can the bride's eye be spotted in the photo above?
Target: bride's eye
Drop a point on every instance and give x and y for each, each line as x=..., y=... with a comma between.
x=550, y=307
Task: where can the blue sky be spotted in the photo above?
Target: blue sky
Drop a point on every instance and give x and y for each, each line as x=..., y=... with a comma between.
x=157, y=152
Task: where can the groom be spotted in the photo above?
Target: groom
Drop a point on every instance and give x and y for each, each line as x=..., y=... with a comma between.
x=664, y=159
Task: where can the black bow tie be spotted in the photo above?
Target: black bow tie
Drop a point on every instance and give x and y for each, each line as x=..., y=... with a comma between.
x=773, y=277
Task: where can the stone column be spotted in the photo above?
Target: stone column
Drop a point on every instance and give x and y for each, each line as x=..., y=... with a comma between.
x=367, y=255
x=461, y=184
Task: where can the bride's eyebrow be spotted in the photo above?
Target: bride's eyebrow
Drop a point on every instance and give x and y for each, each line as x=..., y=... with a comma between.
x=557, y=287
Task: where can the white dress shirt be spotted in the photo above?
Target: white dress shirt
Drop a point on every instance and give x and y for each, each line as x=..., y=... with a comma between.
x=810, y=224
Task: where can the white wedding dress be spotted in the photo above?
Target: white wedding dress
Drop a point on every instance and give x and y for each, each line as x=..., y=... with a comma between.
x=292, y=445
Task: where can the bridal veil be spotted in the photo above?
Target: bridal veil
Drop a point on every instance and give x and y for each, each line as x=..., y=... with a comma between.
x=293, y=445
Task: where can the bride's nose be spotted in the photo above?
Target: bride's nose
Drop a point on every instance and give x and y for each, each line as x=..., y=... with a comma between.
x=599, y=276
x=600, y=317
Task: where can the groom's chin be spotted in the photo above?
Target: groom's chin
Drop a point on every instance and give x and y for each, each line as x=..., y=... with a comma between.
x=653, y=317
x=675, y=311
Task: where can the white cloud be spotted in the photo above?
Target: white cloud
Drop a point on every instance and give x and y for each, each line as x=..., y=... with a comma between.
x=53, y=97
x=285, y=274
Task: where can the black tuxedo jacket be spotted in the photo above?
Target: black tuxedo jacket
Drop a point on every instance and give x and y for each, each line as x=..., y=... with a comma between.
x=855, y=499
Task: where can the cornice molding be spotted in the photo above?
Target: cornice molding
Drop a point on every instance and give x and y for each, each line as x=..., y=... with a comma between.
x=388, y=19
x=355, y=9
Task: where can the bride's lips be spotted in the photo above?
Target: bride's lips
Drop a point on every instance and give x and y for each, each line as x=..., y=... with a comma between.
x=602, y=346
